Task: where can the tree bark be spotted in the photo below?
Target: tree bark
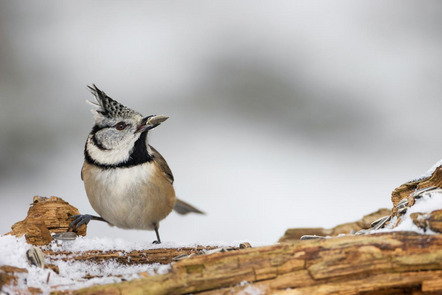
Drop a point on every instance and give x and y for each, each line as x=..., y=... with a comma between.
x=46, y=216
x=388, y=263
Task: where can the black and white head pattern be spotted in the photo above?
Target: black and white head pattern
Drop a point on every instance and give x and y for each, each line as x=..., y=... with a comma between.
x=114, y=140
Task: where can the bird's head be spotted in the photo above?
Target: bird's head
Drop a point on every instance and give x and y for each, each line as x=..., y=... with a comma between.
x=119, y=134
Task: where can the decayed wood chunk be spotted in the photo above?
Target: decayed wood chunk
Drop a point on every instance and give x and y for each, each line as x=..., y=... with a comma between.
x=407, y=194
x=8, y=275
x=420, y=219
x=435, y=221
x=294, y=234
x=432, y=220
x=404, y=191
x=388, y=263
x=46, y=216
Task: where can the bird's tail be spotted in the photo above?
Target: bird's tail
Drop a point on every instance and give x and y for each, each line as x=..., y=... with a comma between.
x=183, y=208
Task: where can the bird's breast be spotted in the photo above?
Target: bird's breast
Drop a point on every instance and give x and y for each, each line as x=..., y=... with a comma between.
x=134, y=197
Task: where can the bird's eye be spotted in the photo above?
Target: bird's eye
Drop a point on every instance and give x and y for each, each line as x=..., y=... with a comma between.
x=120, y=126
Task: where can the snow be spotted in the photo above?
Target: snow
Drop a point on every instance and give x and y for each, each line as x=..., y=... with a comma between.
x=107, y=244
x=249, y=289
x=430, y=201
x=13, y=251
x=71, y=273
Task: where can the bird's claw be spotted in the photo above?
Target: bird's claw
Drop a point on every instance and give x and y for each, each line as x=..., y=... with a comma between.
x=79, y=220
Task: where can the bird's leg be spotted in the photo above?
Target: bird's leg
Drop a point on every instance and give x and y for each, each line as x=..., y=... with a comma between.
x=82, y=219
x=158, y=241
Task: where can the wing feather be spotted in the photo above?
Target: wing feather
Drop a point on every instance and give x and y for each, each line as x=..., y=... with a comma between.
x=162, y=163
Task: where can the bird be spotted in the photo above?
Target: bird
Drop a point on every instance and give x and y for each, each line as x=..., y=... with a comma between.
x=127, y=181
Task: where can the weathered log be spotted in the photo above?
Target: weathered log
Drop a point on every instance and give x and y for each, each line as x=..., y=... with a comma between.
x=388, y=263
x=150, y=256
x=8, y=274
x=46, y=216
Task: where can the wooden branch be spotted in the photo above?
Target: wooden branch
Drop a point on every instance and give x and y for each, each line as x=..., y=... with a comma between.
x=160, y=255
x=294, y=234
x=389, y=263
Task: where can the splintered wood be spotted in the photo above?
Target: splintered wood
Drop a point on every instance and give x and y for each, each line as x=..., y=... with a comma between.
x=432, y=220
x=411, y=191
x=46, y=216
x=389, y=263
x=406, y=190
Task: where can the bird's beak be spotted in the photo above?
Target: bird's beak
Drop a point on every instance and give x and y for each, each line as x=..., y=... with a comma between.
x=151, y=122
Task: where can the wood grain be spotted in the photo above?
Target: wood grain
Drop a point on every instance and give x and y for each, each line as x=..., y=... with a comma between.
x=388, y=263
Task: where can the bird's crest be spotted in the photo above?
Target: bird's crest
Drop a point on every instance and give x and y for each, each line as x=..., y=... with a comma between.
x=108, y=107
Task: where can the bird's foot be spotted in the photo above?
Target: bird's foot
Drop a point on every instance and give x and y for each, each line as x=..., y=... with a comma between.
x=156, y=242
x=79, y=220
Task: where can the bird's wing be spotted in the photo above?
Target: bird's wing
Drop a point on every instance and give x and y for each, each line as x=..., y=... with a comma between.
x=180, y=207
x=162, y=163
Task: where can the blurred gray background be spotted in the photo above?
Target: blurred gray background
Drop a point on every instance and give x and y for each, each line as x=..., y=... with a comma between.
x=282, y=113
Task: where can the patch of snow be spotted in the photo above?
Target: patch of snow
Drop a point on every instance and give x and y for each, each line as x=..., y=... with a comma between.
x=81, y=244
x=430, y=201
x=251, y=290
x=72, y=273
x=12, y=251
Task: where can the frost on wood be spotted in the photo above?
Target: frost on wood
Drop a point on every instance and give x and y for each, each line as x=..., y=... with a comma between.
x=68, y=267
x=406, y=190
x=422, y=203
